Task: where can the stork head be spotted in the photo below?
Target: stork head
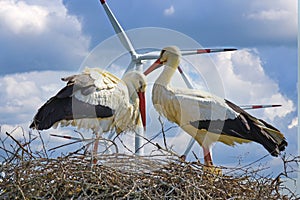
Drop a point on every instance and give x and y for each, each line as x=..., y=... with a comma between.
x=169, y=56
x=136, y=83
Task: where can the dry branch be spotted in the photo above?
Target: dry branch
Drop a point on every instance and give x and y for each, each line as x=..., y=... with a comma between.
x=120, y=176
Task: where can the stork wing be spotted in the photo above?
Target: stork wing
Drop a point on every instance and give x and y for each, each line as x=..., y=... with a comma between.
x=91, y=94
x=242, y=126
x=216, y=115
x=198, y=105
x=97, y=87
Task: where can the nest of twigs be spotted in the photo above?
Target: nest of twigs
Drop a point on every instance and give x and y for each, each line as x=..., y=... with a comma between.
x=26, y=175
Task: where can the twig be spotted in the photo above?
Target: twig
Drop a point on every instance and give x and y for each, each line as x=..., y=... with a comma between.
x=19, y=144
x=163, y=132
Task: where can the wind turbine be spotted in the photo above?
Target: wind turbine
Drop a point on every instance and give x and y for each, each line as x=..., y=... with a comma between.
x=137, y=59
x=137, y=64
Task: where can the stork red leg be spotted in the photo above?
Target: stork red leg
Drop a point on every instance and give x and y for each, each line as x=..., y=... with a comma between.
x=207, y=156
x=95, y=149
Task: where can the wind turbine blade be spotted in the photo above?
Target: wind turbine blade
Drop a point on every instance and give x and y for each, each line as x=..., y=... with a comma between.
x=132, y=65
x=199, y=51
x=250, y=107
x=189, y=147
x=153, y=55
x=186, y=80
x=118, y=29
x=203, y=51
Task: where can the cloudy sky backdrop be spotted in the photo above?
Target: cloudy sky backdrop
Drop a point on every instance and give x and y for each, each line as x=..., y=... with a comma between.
x=42, y=41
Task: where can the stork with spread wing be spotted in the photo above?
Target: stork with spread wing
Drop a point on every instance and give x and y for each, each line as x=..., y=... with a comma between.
x=96, y=100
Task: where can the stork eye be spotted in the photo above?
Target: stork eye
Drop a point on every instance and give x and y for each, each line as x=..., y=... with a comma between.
x=141, y=85
x=162, y=52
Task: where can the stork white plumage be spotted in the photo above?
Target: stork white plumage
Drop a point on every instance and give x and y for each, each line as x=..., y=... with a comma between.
x=96, y=100
x=208, y=118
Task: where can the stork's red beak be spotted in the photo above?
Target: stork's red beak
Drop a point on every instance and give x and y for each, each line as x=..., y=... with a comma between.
x=143, y=108
x=154, y=66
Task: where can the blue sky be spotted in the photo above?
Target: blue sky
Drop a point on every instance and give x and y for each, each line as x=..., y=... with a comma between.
x=42, y=41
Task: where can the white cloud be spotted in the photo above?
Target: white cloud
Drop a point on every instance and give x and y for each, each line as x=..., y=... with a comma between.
x=22, y=94
x=270, y=15
x=294, y=123
x=287, y=106
x=40, y=35
x=273, y=10
x=245, y=82
x=36, y=17
x=15, y=131
x=20, y=17
x=169, y=11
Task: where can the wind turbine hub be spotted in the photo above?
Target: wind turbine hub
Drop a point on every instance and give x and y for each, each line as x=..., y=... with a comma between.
x=135, y=58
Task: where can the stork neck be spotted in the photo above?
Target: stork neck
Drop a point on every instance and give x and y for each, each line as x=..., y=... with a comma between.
x=169, y=70
x=131, y=91
x=166, y=75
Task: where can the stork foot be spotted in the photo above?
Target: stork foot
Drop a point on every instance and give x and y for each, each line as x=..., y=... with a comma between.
x=212, y=170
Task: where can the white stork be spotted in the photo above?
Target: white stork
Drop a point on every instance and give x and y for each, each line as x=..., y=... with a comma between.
x=206, y=117
x=96, y=100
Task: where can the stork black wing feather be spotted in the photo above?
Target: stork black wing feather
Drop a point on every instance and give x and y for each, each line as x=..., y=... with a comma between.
x=246, y=127
x=56, y=109
x=64, y=106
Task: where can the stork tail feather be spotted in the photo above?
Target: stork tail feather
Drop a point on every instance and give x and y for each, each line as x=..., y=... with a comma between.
x=275, y=142
x=262, y=132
